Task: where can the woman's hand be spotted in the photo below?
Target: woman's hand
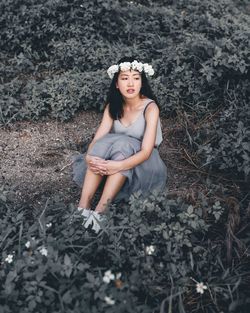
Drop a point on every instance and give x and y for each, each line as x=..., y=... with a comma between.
x=106, y=167
x=90, y=160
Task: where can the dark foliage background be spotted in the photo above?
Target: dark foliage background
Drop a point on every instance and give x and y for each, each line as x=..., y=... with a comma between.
x=53, y=61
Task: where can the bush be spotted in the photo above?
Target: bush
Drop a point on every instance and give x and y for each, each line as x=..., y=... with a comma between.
x=152, y=246
x=227, y=147
x=197, y=50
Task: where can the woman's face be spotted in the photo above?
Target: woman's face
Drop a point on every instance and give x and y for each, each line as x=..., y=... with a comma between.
x=129, y=83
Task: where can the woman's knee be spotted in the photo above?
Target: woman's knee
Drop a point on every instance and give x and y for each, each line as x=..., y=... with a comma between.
x=123, y=145
x=121, y=151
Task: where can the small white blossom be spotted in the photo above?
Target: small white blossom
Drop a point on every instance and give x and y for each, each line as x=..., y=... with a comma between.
x=150, y=250
x=27, y=245
x=49, y=225
x=137, y=66
x=43, y=251
x=9, y=258
x=148, y=69
x=125, y=66
x=34, y=239
x=108, y=276
x=200, y=287
x=118, y=275
x=161, y=265
x=109, y=300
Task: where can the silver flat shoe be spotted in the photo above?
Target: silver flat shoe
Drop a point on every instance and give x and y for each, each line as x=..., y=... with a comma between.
x=95, y=219
x=85, y=212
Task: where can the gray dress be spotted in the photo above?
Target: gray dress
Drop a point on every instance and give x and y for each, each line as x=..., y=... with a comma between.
x=121, y=143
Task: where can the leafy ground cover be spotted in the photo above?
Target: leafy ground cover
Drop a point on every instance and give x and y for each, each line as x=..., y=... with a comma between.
x=149, y=257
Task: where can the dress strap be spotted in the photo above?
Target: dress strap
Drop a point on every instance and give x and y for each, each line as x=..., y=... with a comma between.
x=147, y=106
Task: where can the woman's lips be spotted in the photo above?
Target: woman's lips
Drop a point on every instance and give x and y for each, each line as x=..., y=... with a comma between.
x=130, y=90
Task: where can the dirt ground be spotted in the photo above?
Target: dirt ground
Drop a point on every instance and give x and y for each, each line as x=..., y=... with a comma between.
x=36, y=158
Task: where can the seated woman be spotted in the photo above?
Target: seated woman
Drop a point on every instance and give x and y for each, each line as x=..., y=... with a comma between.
x=124, y=148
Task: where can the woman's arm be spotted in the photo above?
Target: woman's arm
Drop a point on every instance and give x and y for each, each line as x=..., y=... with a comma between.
x=104, y=127
x=111, y=167
x=102, y=130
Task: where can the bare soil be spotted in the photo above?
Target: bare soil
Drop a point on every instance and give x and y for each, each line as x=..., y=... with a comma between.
x=36, y=158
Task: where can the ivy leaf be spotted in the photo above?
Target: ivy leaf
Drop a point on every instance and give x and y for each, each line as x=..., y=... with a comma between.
x=190, y=210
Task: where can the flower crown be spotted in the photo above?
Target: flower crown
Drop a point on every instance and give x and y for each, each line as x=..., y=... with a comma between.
x=135, y=65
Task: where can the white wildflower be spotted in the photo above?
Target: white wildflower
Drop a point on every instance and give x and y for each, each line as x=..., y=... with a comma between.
x=125, y=66
x=200, y=287
x=43, y=250
x=112, y=70
x=9, y=258
x=48, y=225
x=109, y=300
x=108, y=276
x=150, y=250
x=27, y=245
x=34, y=239
x=118, y=275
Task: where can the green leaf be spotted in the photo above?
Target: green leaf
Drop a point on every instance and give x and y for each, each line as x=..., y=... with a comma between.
x=190, y=209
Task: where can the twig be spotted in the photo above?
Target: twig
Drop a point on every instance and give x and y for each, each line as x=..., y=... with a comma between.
x=19, y=239
x=191, y=160
x=39, y=220
x=67, y=165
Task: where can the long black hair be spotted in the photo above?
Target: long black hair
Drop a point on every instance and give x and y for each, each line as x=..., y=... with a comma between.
x=114, y=97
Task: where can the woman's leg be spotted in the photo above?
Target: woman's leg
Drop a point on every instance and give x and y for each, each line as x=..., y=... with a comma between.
x=112, y=186
x=90, y=185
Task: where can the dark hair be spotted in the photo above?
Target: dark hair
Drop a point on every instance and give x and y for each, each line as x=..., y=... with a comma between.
x=114, y=97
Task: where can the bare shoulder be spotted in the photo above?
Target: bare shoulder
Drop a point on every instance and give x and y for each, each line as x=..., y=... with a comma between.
x=106, y=110
x=106, y=107
x=106, y=115
x=152, y=109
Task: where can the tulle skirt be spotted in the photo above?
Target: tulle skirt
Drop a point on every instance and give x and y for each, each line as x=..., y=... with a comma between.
x=148, y=176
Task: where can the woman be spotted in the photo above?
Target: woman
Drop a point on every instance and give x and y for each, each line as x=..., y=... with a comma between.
x=124, y=148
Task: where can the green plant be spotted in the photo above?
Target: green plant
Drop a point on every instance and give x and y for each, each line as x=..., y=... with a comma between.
x=141, y=261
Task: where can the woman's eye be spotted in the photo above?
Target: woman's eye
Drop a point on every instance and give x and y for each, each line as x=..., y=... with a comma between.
x=136, y=78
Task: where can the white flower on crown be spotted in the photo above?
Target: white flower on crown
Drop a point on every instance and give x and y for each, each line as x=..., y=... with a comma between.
x=148, y=69
x=137, y=66
x=125, y=66
x=112, y=70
